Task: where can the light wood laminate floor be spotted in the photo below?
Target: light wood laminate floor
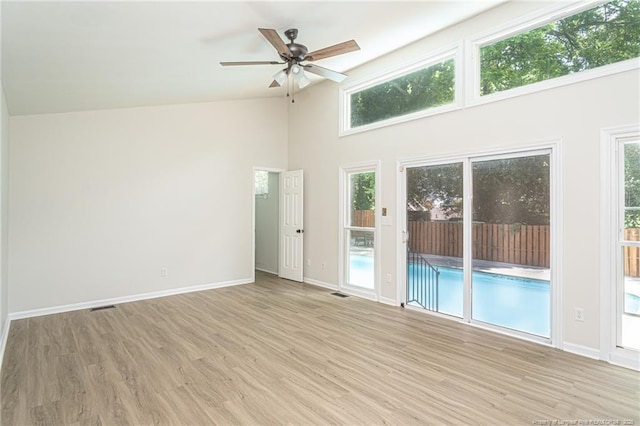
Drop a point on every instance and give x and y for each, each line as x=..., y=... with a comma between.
x=277, y=352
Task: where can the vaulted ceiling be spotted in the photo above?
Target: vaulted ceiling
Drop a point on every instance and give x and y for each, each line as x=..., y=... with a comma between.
x=71, y=56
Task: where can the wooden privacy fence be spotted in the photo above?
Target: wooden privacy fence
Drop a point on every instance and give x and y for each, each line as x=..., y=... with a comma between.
x=364, y=218
x=632, y=254
x=519, y=244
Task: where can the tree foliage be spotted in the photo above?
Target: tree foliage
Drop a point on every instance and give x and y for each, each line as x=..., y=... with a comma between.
x=603, y=35
x=426, y=88
x=363, y=191
x=435, y=187
x=632, y=184
x=514, y=190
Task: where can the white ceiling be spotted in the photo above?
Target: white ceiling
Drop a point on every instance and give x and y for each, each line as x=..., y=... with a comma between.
x=71, y=56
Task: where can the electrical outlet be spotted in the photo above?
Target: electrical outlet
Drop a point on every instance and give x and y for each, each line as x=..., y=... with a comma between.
x=164, y=272
x=579, y=314
x=388, y=277
x=324, y=265
x=308, y=262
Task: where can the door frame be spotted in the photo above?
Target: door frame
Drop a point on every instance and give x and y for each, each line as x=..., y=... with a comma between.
x=610, y=139
x=343, y=170
x=253, y=213
x=467, y=157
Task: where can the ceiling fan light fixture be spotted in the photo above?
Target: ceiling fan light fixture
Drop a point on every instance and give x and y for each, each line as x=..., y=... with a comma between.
x=280, y=77
x=293, y=54
x=303, y=81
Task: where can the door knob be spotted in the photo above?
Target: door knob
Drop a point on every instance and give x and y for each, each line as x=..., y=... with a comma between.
x=300, y=231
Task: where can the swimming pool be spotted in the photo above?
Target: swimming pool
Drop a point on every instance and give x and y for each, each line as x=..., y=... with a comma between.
x=517, y=303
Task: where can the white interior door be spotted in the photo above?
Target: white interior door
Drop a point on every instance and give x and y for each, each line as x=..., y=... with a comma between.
x=291, y=226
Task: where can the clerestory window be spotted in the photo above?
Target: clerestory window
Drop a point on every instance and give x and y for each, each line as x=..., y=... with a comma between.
x=599, y=36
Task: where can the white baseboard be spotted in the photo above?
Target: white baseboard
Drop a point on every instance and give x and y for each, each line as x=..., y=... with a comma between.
x=387, y=301
x=320, y=283
x=124, y=299
x=266, y=270
x=581, y=350
x=3, y=339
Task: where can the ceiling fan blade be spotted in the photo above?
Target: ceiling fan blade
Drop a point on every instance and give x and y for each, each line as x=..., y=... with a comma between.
x=325, y=72
x=228, y=64
x=336, y=49
x=275, y=40
x=274, y=84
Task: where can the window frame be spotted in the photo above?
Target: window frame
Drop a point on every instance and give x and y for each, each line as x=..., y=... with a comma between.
x=610, y=233
x=519, y=26
x=344, y=226
x=454, y=52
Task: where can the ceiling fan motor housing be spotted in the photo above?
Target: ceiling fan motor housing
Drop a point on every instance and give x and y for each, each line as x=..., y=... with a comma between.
x=298, y=51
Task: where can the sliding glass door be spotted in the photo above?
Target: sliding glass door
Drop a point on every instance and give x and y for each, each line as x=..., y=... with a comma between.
x=435, y=243
x=479, y=240
x=511, y=238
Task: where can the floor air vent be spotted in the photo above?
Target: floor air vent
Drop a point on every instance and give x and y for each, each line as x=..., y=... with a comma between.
x=102, y=308
x=339, y=294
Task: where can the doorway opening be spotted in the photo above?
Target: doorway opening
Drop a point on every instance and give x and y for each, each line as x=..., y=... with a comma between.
x=278, y=238
x=266, y=220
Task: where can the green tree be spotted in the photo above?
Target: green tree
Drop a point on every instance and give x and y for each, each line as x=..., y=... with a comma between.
x=514, y=190
x=436, y=186
x=632, y=184
x=429, y=87
x=602, y=35
x=363, y=191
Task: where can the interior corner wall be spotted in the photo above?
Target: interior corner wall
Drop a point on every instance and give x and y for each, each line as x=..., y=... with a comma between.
x=572, y=114
x=4, y=213
x=101, y=201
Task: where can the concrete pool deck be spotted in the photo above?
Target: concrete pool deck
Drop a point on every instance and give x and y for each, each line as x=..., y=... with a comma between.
x=500, y=268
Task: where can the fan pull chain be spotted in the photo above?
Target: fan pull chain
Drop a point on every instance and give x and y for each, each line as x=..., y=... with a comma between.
x=293, y=90
x=287, y=83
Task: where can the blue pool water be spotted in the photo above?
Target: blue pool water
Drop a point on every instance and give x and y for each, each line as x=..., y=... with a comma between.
x=632, y=304
x=516, y=303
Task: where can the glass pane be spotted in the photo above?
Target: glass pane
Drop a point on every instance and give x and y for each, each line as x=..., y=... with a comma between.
x=511, y=243
x=426, y=88
x=603, y=35
x=361, y=262
x=630, y=296
x=632, y=191
x=262, y=183
x=434, y=218
x=630, y=331
x=362, y=190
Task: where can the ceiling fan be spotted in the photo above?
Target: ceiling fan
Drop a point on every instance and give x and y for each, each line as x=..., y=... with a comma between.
x=293, y=54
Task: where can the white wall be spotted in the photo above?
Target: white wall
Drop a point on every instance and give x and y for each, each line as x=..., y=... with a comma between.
x=573, y=114
x=4, y=212
x=267, y=227
x=100, y=201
